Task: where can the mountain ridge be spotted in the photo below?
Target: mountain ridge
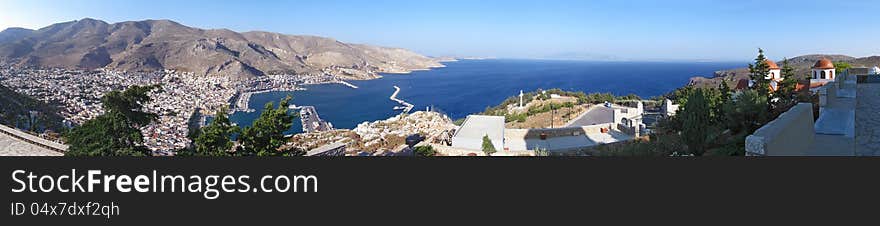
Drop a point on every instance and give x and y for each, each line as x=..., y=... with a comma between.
x=150, y=45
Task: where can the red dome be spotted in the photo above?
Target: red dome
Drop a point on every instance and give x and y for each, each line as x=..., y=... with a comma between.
x=824, y=63
x=772, y=65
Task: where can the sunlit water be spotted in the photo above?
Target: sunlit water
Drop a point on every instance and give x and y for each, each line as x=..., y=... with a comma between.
x=469, y=86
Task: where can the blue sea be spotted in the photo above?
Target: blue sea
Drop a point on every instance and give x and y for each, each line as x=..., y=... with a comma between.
x=469, y=86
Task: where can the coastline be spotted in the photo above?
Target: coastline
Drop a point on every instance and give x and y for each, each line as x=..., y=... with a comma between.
x=468, y=88
x=241, y=101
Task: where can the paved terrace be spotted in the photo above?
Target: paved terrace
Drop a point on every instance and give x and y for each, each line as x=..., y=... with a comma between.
x=17, y=143
x=562, y=139
x=597, y=114
x=835, y=128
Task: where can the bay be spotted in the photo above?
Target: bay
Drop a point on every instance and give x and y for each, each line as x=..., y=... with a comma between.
x=469, y=86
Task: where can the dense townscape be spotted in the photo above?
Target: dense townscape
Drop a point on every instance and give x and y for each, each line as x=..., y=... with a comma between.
x=182, y=94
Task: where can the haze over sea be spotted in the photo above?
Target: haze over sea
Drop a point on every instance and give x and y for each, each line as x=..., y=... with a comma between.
x=469, y=86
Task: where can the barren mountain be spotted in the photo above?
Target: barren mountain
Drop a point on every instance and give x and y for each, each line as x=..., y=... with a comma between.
x=801, y=65
x=163, y=44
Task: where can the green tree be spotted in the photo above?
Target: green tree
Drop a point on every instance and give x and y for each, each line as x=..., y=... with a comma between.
x=680, y=95
x=214, y=139
x=424, y=151
x=840, y=67
x=715, y=101
x=758, y=71
x=266, y=135
x=116, y=132
x=488, y=148
x=725, y=91
x=695, y=118
x=787, y=92
x=724, y=94
x=541, y=152
x=747, y=112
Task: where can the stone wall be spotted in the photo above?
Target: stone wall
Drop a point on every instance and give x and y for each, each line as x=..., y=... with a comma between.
x=791, y=134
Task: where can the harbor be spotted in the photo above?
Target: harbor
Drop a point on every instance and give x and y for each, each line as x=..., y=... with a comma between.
x=453, y=91
x=311, y=122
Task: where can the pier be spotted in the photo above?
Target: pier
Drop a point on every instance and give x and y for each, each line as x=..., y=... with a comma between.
x=243, y=100
x=348, y=84
x=407, y=107
x=311, y=122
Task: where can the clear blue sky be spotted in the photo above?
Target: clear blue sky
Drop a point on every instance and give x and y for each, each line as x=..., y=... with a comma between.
x=718, y=30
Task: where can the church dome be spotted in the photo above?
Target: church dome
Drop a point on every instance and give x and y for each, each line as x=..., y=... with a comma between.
x=824, y=63
x=772, y=65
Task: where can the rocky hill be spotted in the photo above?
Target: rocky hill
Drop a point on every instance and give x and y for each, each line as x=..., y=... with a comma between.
x=163, y=44
x=801, y=65
x=17, y=110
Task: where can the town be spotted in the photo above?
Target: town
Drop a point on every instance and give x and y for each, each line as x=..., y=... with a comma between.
x=182, y=95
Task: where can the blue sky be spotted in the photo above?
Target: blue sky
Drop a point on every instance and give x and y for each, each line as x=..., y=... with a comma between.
x=713, y=30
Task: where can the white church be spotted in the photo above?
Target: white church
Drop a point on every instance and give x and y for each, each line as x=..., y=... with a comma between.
x=824, y=69
x=822, y=72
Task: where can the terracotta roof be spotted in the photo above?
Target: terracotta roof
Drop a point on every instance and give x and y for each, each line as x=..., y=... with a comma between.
x=772, y=65
x=818, y=84
x=824, y=63
x=742, y=84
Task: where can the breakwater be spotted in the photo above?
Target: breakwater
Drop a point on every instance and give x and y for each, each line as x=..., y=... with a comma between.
x=348, y=84
x=407, y=107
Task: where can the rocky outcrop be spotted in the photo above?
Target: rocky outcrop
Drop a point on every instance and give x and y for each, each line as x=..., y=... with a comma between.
x=390, y=132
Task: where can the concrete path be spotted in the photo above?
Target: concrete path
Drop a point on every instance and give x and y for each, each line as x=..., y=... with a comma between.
x=597, y=114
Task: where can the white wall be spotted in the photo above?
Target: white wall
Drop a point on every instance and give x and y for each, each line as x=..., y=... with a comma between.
x=774, y=74
x=669, y=108
x=791, y=134
x=475, y=143
x=829, y=73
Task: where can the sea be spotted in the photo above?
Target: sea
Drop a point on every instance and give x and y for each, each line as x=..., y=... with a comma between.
x=469, y=86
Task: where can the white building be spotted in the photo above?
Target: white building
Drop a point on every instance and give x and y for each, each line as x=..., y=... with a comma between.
x=824, y=69
x=775, y=72
x=775, y=75
x=470, y=135
x=875, y=70
x=629, y=119
x=669, y=109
